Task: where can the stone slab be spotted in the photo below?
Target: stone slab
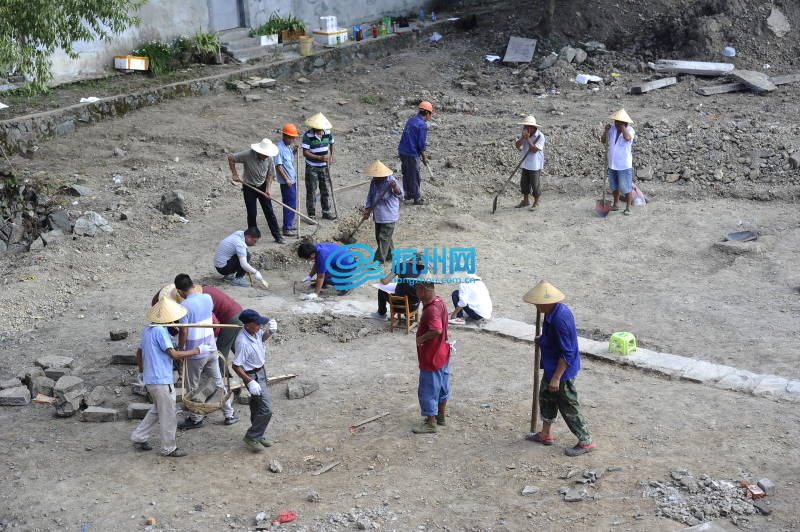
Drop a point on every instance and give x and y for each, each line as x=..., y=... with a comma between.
x=138, y=410
x=720, y=525
x=98, y=414
x=67, y=383
x=124, y=359
x=41, y=384
x=18, y=396
x=706, y=372
x=26, y=375
x=10, y=383
x=757, y=81
x=772, y=386
x=96, y=397
x=519, y=50
x=54, y=361
x=57, y=373
x=510, y=328
x=653, y=85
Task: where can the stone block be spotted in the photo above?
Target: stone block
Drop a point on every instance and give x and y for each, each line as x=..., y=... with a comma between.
x=54, y=361
x=60, y=220
x=41, y=384
x=768, y=486
x=51, y=237
x=117, y=336
x=138, y=410
x=10, y=383
x=771, y=386
x=572, y=495
x=704, y=371
x=75, y=190
x=64, y=408
x=65, y=127
x=57, y=373
x=738, y=381
x=17, y=396
x=96, y=397
x=26, y=375
x=300, y=389
x=173, y=202
x=68, y=383
x=97, y=414
x=124, y=359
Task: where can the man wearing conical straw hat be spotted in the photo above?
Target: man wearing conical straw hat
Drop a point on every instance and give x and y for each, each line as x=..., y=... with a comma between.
x=317, y=145
x=619, y=139
x=154, y=358
x=531, y=146
x=383, y=203
x=561, y=362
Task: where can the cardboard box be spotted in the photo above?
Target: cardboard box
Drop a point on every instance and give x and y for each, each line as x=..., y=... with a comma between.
x=131, y=62
x=328, y=24
x=329, y=38
x=269, y=40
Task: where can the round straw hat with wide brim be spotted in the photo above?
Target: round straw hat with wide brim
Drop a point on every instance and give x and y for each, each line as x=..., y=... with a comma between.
x=166, y=311
x=543, y=294
x=378, y=169
x=170, y=292
x=529, y=120
x=318, y=121
x=265, y=147
x=621, y=115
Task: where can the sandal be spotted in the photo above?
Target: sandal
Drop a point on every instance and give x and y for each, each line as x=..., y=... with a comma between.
x=538, y=438
x=521, y=204
x=626, y=212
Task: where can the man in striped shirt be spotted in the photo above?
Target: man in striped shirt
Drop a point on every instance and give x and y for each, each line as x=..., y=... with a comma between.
x=199, y=308
x=317, y=147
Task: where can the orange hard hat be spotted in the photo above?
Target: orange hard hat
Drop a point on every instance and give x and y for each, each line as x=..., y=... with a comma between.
x=290, y=129
x=426, y=106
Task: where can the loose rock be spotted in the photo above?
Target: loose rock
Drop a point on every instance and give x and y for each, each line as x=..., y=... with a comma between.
x=97, y=414
x=17, y=396
x=173, y=202
x=118, y=335
x=49, y=361
x=275, y=466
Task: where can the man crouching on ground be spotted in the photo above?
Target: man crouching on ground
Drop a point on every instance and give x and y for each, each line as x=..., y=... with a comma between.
x=561, y=362
x=433, y=353
x=248, y=364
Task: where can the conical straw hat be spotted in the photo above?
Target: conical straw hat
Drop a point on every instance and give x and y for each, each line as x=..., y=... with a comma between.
x=529, y=120
x=378, y=169
x=318, y=121
x=166, y=311
x=622, y=116
x=170, y=292
x=542, y=294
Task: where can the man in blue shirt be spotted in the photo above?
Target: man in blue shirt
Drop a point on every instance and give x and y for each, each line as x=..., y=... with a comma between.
x=383, y=202
x=319, y=255
x=287, y=174
x=561, y=363
x=154, y=358
x=412, y=149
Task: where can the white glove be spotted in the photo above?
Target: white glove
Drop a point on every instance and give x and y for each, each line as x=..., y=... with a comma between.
x=254, y=388
x=206, y=349
x=310, y=297
x=272, y=327
x=258, y=276
x=307, y=280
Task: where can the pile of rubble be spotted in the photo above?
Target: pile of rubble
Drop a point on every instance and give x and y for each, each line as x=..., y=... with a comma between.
x=692, y=500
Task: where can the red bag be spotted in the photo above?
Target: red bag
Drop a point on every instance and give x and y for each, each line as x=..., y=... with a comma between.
x=285, y=517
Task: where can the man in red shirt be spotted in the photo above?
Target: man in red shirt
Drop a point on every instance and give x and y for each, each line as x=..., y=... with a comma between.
x=433, y=353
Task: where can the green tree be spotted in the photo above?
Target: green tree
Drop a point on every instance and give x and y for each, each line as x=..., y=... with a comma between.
x=31, y=30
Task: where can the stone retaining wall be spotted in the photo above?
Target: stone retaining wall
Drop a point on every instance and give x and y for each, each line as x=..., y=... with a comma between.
x=22, y=134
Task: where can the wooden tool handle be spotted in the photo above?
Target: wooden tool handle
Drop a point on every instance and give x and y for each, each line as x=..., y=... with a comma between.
x=298, y=213
x=536, y=364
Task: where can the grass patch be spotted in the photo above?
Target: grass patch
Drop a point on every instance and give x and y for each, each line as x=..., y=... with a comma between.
x=371, y=99
x=468, y=68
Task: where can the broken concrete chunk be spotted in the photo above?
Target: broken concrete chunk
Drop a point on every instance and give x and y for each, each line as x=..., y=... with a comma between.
x=54, y=361
x=17, y=396
x=97, y=414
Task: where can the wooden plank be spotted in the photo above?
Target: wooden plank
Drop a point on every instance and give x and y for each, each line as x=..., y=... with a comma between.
x=519, y=50
x=279, y=378
x=757, y=81
x=369, y=420
x=325, y=468
x=733, y=87
x=698, y=68
x=652, y=85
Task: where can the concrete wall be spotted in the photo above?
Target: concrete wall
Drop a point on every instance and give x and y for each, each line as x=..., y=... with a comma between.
x=161, y=20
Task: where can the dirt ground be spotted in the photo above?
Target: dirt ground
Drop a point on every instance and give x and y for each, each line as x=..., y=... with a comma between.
x=657, y=274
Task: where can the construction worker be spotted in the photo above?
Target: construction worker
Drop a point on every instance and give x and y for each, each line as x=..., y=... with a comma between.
x=412, y=148
x=561, y=362
x=620, y=160
x=383, y=203
x=287, y=173
x=317, y=147
x=249, y=364
x=531, y=146
x=259, y=169
x=433, y=356
x=154, y=358
x=232, y=260
x=324, y=255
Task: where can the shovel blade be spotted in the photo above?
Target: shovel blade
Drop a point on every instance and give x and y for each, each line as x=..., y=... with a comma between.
x=494, y=205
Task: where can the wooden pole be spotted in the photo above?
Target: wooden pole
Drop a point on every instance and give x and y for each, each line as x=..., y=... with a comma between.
x=204, y=325
x=367, y=182
x=536, y=364
x=298, y=213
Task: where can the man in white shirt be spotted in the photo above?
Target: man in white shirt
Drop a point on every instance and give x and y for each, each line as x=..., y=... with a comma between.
x=249, y=365
x=472, y=298
x=619, y=139
x=232, y=258
x=531, y=147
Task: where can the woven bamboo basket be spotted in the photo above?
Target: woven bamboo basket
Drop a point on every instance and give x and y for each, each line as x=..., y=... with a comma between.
x=206, y=408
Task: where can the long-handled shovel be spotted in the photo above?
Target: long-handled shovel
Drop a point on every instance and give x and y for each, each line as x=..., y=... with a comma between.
x=330, y=187
x=350, y=239
x=602, y=206
x=494, y=203
x=537, y=357
x=298, y=213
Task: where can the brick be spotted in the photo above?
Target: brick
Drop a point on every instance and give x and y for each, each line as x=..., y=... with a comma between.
x=18, y=396
x=41, y=384
x=138, y=410
x=98, y=414
x=10, y=383
x=768, y=486
x=54, y=361
x=56, y=373
x=68, y=383
x=123, y=359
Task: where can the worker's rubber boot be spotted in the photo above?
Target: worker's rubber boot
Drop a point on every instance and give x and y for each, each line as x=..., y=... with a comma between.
x=427, y=427
x=441, y=420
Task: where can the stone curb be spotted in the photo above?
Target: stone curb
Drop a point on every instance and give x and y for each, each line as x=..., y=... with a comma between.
x=21, y=134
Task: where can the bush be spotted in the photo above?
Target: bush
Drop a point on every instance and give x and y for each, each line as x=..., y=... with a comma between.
x=162, y=57
x=206, y=43
x=276, y=24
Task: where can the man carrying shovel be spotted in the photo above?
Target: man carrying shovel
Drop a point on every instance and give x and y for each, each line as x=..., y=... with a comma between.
x=317, y=147
x=531, y=146
x=259, y=169
x=383, y=203
x=619, y=139
x=412, y=148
